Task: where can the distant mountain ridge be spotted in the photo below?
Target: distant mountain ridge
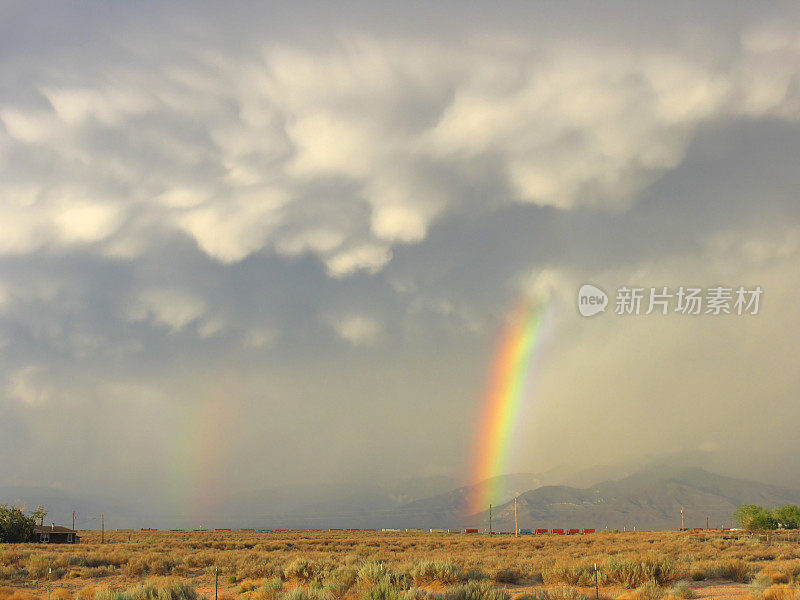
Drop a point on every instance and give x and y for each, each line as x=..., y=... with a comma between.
x=647, y=499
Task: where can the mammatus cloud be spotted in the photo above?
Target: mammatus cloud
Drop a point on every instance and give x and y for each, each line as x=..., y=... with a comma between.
x=232, y=150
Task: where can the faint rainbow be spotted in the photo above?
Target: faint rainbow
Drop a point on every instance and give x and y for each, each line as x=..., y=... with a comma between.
x=202, y=454
x=510, y=380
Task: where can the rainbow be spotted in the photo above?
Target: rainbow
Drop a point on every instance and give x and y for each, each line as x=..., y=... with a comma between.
x=509, y=382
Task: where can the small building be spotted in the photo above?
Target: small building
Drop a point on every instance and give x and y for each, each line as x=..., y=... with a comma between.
x=55, y=534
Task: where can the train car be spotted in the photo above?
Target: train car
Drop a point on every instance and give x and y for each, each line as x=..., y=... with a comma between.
x=436, y=530
x=453, y=531
x=557, y=531
x=525, y=532
x=573, y=531
x=542, y=531
x=585, y=531
x=390, y=530
x=471, y=530
x=413, y=530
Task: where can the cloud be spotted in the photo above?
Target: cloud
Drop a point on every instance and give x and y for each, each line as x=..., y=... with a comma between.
x=26, y=386
x=359, y=330
x=229, y=150
x=173, y=308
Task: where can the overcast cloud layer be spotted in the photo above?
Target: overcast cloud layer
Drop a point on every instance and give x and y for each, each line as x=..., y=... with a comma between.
x=242, y=247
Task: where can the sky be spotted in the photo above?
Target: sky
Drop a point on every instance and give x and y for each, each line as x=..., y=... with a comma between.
x=248, y=244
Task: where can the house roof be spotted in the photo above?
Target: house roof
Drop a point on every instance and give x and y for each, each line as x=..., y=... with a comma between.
x=52, y=529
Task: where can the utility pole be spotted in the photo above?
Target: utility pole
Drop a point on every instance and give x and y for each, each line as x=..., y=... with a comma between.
x=683, y=528
x=216, y=582
x=707, y=528
x=490, y=519
x=102, y=529
x=516, y=526
x=73, y=520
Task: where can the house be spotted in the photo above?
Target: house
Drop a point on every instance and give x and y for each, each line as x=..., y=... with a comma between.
x=55, y=534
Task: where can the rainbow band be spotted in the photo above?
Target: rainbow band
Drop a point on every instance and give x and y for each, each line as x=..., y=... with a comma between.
x=509, y=381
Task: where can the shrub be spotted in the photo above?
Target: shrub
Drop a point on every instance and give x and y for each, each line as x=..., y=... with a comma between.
x=370, y=573
x=575, y=575
x=634, y=573
x=162, y=590
x=301, y=570
x=475, y=590
x=506, y=576
x=781, y=592
x=301, y=593
x=684, y=590
x=341, y=580
x=427, y=572
x=698, y=575
x=733, y=570
x=564, y=592
x=774, y=576
x=384, y=589
x=648, y=591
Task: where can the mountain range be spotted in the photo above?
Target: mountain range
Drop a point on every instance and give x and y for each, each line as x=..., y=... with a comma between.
x=650, y=498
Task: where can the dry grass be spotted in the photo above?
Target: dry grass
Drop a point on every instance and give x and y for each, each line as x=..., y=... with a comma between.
x=396, y=566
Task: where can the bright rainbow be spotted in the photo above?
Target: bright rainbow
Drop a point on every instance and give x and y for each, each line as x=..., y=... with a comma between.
x=510, y=378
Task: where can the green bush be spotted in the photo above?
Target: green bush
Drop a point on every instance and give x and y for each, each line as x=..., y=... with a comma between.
x=428, y=571
x=15, y=526
x=733, y=570
x=301, y=570
x=633, y=573
x=475, y=590
x=684, y=590
x=650, y=591
x=168, y=590
x=301, y=593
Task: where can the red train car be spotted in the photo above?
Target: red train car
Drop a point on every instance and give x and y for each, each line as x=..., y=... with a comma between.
x=541, y=531
x=557, y=531
x=588, y=531
x=573, y=531
x=470, y=531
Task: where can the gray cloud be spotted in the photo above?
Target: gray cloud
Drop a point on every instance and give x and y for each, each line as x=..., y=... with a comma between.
x=324, y=230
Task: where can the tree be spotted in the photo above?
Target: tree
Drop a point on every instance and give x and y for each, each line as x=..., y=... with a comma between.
x=39, y=513
x=787, y=516
x=745, y=514
x=15, y=526
x=763, y=521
